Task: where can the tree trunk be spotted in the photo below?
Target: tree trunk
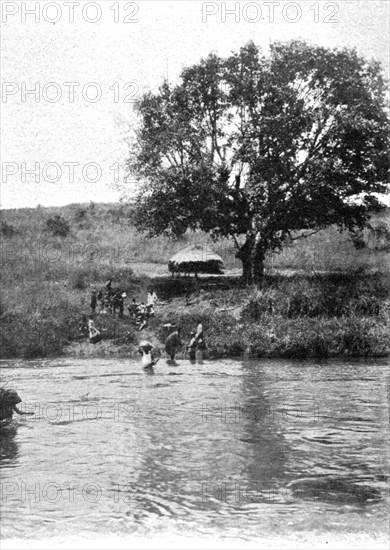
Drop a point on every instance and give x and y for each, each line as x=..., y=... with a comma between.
x=244, y=254
x=246, y=269
x=252, y=254
x=257, y=264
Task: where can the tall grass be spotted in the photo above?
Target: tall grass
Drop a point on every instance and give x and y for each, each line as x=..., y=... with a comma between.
x=104, y=233
x=47, y=280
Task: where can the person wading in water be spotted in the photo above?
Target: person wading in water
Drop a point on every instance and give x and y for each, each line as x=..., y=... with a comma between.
x=191, y=348
x=173, y=343
x=145, y=349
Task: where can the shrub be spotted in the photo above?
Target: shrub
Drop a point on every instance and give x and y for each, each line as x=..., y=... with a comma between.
x=58, y=226
x=81, y=218
x=382, y=236
x=8, y=230
x=357, y=239
x=80, y=214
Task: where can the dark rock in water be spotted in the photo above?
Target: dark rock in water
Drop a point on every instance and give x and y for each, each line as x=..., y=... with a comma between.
x=8, y=400
x=333, y=489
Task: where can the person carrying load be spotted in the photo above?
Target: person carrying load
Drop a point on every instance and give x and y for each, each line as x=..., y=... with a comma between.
x=145, y=348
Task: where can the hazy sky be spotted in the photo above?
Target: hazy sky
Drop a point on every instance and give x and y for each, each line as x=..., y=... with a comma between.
x=67, y=136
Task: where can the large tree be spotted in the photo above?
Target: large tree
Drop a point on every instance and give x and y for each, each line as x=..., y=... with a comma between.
x=262, y=148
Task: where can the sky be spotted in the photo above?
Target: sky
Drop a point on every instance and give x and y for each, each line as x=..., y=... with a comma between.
x=88, y=61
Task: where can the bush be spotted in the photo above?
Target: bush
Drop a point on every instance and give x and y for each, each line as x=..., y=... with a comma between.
x=81, y=218
x=80, y=214
x=357, y=239
x=8, y=230
x=334, y=295
x=58, y=226
x=382, y=236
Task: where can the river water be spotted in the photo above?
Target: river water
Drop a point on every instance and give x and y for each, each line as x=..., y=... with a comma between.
x=254, y=450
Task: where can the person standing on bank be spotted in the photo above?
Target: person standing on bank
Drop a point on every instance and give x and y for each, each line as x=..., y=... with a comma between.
x=151, y=298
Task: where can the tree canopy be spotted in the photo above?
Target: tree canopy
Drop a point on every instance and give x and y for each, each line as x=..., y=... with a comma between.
x=255, y=147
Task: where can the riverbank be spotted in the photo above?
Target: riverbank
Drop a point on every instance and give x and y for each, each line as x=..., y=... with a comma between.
x=299, y=316
x=334, y=315
x=321, y=297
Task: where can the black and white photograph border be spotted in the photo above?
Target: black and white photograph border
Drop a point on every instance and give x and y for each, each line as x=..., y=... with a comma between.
x=195, y=261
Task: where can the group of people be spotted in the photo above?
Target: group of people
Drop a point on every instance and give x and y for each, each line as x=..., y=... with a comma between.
x=141, y=312
x=197, y=342
x=110, y=299
x=87, y=329
x=113, y=301
x=172, y=344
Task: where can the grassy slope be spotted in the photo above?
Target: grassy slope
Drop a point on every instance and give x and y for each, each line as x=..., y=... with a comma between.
x=46, y=283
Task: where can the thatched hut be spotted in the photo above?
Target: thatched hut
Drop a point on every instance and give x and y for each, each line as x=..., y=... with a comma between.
x=196, y=259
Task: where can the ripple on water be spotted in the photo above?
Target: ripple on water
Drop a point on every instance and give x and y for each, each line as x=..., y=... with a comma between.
x=242, y=448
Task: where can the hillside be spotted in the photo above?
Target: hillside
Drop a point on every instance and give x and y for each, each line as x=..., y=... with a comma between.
x=50, y=264
x=105, y=233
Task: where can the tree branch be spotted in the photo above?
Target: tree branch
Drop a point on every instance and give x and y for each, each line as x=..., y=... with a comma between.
x=236, y=242
x=315, y=144
x=306, y=235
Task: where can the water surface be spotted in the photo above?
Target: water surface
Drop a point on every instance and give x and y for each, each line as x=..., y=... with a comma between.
x=230, y=449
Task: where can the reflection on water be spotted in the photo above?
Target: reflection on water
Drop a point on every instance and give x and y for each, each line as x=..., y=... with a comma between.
x=222, y=448
x=9, y=448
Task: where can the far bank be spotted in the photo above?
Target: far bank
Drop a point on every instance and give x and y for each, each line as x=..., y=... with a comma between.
x=324, y=296
x=299, y=316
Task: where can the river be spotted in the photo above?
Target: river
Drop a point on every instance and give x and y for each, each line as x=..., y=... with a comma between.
x=250, y=451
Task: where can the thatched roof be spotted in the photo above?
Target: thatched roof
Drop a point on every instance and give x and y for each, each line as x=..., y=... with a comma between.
x=196, y=258
x=196, y=253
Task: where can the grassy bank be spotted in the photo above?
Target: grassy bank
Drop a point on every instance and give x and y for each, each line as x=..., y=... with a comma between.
x=49, y=269
x=321, y=316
